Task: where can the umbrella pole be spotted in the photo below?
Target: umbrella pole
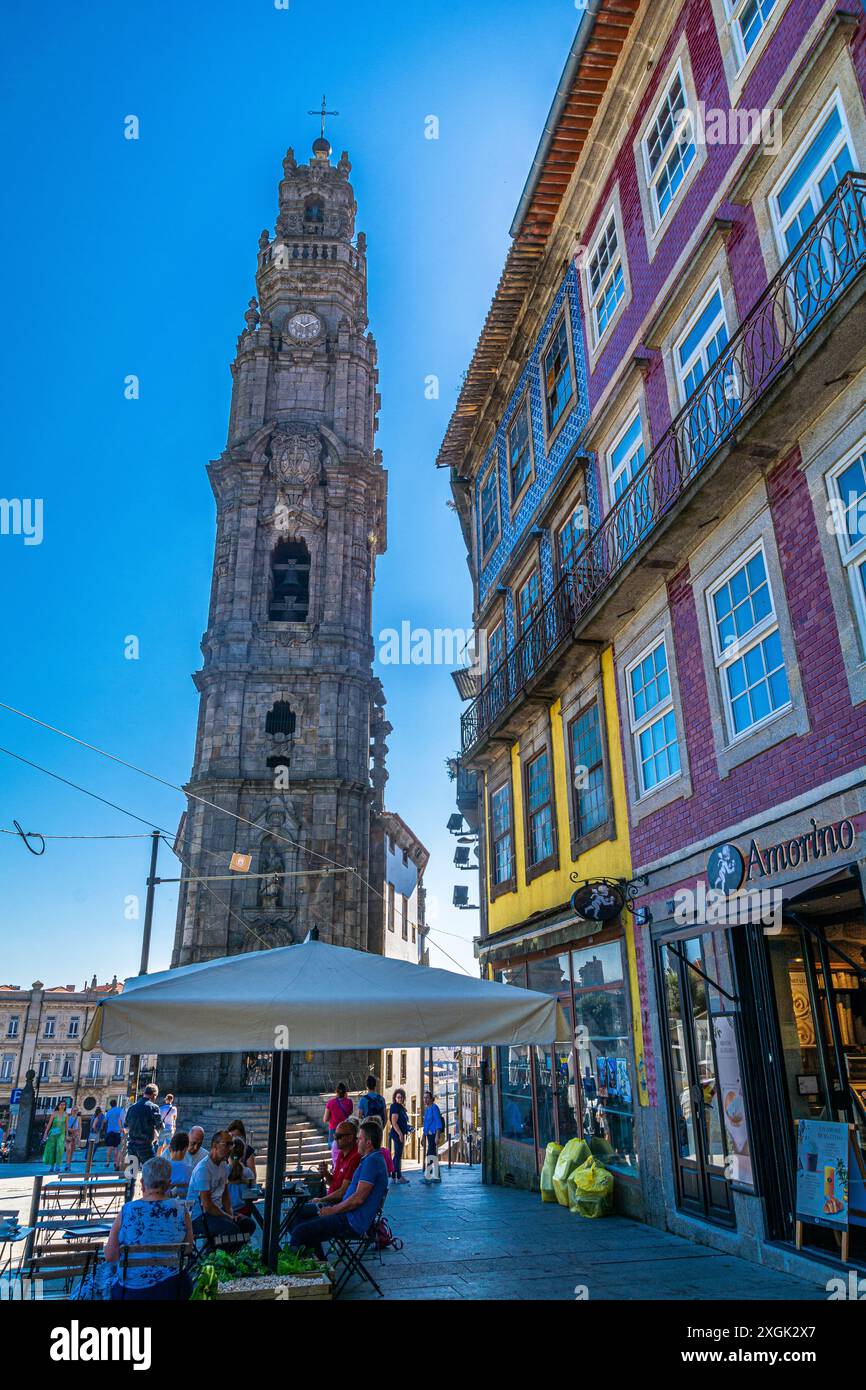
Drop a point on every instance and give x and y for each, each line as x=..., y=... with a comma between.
x=279, y=1104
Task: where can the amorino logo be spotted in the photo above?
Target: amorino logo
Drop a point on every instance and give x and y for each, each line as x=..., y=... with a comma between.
x=77, y=1343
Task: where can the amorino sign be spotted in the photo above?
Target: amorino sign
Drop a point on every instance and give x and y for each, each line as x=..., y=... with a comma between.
x=728, y=867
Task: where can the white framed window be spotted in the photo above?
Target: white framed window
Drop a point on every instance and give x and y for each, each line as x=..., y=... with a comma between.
x=824, y=156
x=846, y=484
x=66, y=1073
x=748, y=19
x=73, y=1027
x=43, y=1068
x=119, y=1068
x=12, y=1027
x=702, y=343
x=652, y=719
x=605, y=278
x=95, y=1066
x=6, y=1064
x=669, y=147
x=625, y=456
x=747, y=645
x=50, y=1027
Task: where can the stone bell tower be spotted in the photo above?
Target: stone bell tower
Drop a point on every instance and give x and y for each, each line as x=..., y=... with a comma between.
x=287, y=691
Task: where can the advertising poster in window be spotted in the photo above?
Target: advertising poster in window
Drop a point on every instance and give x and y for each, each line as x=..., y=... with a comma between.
x=822, y=1173
x=732, y=1100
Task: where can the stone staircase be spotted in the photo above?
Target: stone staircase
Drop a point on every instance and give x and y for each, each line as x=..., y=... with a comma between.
x=306, y=1137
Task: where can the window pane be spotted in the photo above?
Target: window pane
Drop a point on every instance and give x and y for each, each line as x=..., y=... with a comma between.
x=519, y=452
x=588, y=771
x=605, y=1054
x=557, y=376
x=515, y=1092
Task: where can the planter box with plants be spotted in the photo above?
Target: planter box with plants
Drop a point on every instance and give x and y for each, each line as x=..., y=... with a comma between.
x=242, y=1275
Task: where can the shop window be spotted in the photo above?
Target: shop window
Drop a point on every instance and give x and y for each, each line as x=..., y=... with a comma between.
x=669, y=146
x=558, y=381
x=490, y=521
x=589, y=800
x=847, y=488
x=539, y=811
x=605, y=1053
x=748, y=646
x=501, y=836
x=554, y=1064
x=515, y=1094
x=519, y=452
x=653, y=723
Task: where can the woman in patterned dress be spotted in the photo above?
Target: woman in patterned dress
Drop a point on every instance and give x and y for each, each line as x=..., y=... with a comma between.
x=153, y=1219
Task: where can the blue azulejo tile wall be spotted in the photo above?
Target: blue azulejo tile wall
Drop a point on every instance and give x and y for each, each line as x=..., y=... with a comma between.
x=547, y=467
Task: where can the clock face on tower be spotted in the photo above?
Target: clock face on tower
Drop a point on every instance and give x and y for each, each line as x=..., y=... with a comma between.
x=304, y=327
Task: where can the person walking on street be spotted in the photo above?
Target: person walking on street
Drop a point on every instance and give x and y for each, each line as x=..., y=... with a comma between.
x=337, y=1109
x=114, y=1135
x=54, y=1135
x=168, y=1113
x=434, y=1125
x=372, y=1106
x=95, y=1132
x=73, y=1136
x=143, y=1124
x=399, y=1131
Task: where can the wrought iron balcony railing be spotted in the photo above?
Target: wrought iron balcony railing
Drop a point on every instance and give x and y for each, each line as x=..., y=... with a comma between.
x=828, y=257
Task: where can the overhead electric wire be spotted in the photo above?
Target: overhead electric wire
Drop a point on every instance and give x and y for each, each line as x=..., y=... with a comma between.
x=132, y=767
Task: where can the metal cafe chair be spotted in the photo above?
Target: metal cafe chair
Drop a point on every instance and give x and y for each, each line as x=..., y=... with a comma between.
x=173, y=1257
x=353, y=1253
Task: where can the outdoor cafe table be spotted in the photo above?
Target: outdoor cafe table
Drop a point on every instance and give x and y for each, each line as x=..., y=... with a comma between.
x=97, y=1193
x=295, y=1194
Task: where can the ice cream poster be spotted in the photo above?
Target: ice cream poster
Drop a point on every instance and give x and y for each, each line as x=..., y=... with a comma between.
x=730, y=1089
x=822, y=1173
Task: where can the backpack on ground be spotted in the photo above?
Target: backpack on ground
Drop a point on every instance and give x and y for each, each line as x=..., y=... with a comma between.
x=384, y=1238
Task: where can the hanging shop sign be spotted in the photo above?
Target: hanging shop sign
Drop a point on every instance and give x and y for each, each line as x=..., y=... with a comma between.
x=728, y=867
x=598, y=901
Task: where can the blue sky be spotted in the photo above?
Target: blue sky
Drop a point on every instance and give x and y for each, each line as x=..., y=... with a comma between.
x=121, y=257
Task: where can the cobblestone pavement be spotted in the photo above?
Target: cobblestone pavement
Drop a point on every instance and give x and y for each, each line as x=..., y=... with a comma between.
x=465, y=1240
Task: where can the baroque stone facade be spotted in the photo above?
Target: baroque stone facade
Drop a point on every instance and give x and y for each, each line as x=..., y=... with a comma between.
x=287, y=691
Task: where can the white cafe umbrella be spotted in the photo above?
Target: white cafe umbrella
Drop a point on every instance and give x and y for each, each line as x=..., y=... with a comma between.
x=315, y=997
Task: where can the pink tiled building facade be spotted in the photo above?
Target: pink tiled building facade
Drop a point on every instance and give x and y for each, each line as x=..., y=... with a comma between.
x=702, y=181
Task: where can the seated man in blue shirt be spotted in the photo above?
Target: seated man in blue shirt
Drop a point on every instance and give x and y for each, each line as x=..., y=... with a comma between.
x=356, y=1212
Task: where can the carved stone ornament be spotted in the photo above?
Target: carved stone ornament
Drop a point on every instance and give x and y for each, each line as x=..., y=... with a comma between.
x=295, y=456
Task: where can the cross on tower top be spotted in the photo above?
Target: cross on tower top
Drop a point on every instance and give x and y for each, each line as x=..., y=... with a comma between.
x=322, y=114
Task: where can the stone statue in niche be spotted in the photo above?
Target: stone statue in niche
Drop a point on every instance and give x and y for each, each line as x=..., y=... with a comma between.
x=277, y=857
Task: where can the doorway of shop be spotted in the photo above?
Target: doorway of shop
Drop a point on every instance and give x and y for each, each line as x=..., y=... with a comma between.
x=700, y=1025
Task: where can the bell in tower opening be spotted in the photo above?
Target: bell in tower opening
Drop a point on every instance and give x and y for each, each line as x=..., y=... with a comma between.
x=288, y=702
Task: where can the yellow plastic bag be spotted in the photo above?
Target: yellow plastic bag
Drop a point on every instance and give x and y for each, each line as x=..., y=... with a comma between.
x=573, y=1154
x=590, y=1189
x=551, y=1154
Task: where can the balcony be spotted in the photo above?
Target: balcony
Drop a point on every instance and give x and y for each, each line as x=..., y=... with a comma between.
x=819, y=283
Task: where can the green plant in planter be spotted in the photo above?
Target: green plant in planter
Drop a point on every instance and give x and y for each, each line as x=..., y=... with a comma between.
x=299, y=1262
